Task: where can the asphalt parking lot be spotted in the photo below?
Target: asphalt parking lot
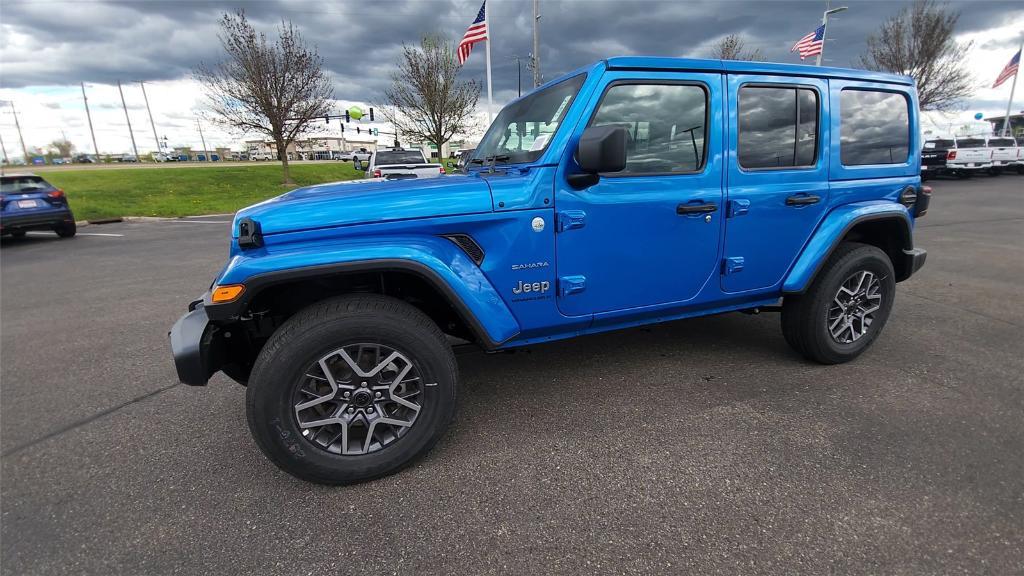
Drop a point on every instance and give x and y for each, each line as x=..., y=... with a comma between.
x=703, y=446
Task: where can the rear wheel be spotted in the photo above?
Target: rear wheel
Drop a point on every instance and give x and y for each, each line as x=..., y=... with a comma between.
x=18, y=234
x=66, y=230
x=845, y=308
x=351, y=389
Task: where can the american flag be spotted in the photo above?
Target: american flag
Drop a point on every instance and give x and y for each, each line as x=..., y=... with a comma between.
x=477, y=32
x=811, y=44
x=1009, y=71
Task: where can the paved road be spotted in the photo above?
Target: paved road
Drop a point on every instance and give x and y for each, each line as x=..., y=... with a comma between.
x=703, y=446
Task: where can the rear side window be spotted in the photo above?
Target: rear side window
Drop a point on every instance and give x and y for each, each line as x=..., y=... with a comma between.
x=24, y=185
x=874, y=127
x=667, y=125
x=1001, y=143
x=970, y=143
x=778, y=127
x=939, y=144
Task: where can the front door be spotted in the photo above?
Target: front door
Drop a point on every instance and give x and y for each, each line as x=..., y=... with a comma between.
x=778, y=185
x=648, y=235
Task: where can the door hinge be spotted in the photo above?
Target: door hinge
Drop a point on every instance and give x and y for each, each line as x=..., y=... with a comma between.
x=732, y=265
x=738, y=207
x=571, y=285
x=570, y=219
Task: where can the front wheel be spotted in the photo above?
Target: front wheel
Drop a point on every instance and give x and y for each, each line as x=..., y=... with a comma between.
x=845, y=307
x=352, y=389
x=66, y=230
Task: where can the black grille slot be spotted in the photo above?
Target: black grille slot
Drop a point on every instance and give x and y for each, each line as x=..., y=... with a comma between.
x=469, y=246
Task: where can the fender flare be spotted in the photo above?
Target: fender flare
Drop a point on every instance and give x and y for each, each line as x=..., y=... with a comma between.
x=831, y=232
x=438, y=261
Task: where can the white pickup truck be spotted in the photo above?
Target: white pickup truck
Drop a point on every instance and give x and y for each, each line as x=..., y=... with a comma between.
x=391, y=164
x=968, y=156
x=1004, y=153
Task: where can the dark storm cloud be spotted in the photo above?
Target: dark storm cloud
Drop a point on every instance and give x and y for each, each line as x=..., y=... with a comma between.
x=64, y=42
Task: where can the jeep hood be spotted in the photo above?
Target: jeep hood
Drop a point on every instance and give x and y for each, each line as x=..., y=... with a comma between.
x=367, y=201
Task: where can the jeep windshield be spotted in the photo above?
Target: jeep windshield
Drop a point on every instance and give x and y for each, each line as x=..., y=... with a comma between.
x=522, y=130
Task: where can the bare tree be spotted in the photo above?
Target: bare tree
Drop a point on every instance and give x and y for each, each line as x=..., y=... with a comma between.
x=62, y=148
x=275, y=89
x=426, y=101
x=919, y=42
x=733, y=47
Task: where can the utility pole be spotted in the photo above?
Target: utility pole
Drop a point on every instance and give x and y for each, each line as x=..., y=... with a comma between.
x=135, y=150
x=151, y=124
x=24, y=150
x=203, y=140
x=536, y=43
x=824, y=22
x=89, y=117
x=3, y=149
x=519, y=75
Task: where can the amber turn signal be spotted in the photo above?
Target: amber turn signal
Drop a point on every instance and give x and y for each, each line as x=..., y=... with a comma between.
x=222, y=294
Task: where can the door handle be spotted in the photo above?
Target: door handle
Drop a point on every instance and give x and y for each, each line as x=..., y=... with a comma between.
x=702, y=208
x=802, y=200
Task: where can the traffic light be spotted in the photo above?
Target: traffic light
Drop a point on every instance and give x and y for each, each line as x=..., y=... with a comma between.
x=357, y=129
x=342, y=128
x=327, y=119
x=347, y=119
x=371, y=114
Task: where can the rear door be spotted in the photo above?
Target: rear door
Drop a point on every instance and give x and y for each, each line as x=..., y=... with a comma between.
x=649, y=235
x=777, y=175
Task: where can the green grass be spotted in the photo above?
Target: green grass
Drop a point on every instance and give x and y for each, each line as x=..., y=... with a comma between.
x=185, y=191
x=110, y=193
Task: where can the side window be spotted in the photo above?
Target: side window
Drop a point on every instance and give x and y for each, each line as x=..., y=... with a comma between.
x=874, y=127
x=666, y=124
x=778, y=127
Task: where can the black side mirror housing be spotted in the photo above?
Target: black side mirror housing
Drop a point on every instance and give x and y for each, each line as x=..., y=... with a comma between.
x=601, y=149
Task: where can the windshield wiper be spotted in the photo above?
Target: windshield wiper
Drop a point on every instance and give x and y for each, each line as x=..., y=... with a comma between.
x=492, y=159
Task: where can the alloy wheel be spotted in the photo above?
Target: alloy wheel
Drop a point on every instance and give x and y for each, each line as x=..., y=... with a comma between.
x=852, y=309
x=358, y=399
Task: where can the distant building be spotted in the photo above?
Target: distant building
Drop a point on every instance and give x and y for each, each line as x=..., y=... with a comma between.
x=313, y=148
x=1016, y=124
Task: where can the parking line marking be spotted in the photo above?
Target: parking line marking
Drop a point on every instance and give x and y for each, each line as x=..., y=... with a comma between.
x=201, y=221
x=78, y=234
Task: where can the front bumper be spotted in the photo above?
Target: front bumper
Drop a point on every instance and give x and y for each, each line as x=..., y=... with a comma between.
x=196, y=345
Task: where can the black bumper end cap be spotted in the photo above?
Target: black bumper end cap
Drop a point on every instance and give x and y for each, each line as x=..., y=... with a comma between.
x=189, y=345
x=915, y=258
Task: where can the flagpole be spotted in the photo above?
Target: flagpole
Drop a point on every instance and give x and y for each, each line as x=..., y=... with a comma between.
x=1013, y=88
x=490, y=103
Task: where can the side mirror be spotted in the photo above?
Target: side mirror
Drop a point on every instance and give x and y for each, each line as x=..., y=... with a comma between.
x=601, y=149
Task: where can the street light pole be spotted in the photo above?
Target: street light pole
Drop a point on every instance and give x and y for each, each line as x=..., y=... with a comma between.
x=18, y=126
x=824, y=22
x=148, y=111
x=135, y=149
x=536, y=43
x=88, y=116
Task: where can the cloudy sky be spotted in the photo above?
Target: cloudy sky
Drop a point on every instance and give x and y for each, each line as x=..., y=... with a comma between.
x=47, y=47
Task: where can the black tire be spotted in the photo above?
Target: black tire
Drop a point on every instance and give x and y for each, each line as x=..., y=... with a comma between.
x=320, y=329
x=66, y=230
x=18, y=234
x=804, y=316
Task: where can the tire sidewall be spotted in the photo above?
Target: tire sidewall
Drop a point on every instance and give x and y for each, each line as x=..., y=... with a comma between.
x=866, y=258
x=271, y=407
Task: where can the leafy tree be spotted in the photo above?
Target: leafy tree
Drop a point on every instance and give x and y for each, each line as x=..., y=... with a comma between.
x=276, y=89
x=919, y=42
x=733, y=47
x=62, y=148
x=426, y=101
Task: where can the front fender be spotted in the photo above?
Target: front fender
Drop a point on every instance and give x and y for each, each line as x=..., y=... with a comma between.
x=832, y=230
x=437, y=260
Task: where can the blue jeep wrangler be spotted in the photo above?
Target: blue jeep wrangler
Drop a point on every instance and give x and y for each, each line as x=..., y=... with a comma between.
x=634, y=191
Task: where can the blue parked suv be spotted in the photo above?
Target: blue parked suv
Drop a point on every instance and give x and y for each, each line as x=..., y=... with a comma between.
x=27, y=202
x=634, y=191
